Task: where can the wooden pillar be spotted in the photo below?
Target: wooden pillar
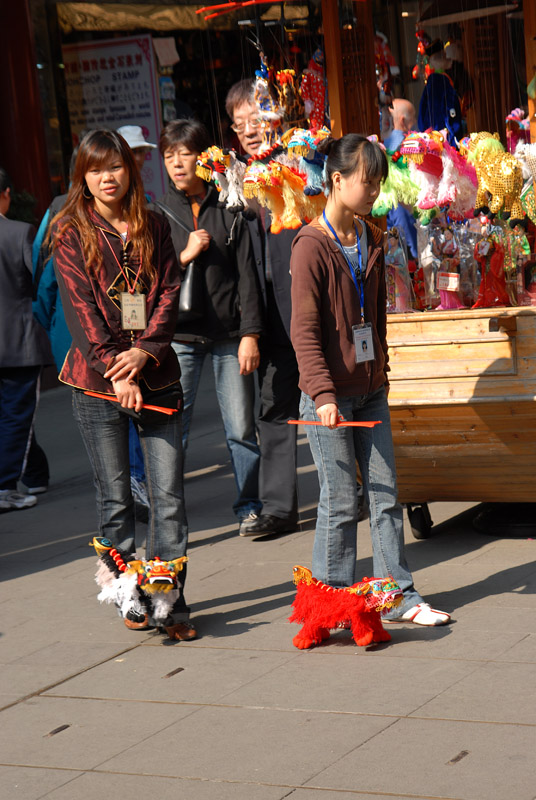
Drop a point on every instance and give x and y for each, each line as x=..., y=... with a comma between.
x=350, y=67
x=529, y=14
x=22, y=135
x=333, y=59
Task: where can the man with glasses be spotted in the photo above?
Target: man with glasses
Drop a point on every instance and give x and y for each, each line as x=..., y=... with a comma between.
x=278, y=370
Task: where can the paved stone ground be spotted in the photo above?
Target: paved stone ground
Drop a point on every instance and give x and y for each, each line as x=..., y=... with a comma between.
x=90, y=709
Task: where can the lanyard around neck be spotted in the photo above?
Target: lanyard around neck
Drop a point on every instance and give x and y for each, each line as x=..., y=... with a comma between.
x=358, y=279
x=123, y=267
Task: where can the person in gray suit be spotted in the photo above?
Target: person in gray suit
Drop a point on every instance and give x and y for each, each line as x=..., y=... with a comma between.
x=23, y=351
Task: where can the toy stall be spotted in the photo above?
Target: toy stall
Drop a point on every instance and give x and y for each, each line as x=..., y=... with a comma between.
x=462, y=305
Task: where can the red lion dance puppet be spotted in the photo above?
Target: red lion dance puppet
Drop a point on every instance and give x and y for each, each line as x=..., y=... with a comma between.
x=321, y=607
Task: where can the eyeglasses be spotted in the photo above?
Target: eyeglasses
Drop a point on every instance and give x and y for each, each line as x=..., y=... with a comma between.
x=253, y=124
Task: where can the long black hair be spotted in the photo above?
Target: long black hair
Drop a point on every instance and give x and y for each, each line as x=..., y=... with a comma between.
x=352, y=151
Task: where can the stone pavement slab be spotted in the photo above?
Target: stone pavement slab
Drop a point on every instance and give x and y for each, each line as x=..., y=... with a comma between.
x=175, y=674
x=251, y=744
x=440, y=759
x=33, y=783
x=95, y=730
x=93, y=786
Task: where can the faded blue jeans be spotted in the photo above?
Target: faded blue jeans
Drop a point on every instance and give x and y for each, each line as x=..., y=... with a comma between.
x=105, y=431
x=236, y=398
x=335, y=453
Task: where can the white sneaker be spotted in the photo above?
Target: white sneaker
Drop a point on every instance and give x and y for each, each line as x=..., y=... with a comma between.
x=10, y=500
x=251, y=517
x=422, y=614
x=139, y=492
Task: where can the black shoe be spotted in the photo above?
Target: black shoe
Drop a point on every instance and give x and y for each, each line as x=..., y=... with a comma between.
x=266, y=524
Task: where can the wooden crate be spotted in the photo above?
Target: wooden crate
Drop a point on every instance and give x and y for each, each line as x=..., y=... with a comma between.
x=463, y=386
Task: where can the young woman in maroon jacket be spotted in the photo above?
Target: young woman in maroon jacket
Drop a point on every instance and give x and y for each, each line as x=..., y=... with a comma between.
x=339, y=333
x=119, y=282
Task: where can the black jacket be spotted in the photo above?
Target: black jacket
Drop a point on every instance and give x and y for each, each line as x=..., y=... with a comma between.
x=233, y=305
x=279, y=248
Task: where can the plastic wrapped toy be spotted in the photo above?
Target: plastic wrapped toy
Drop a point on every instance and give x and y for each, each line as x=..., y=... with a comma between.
x=489, y=253
x=448, y=277
x=400, y=297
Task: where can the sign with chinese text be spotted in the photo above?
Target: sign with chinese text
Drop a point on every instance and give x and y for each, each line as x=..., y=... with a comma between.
x=111, y=83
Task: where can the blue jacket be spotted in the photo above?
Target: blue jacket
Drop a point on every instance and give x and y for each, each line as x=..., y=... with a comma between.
x=48, y=310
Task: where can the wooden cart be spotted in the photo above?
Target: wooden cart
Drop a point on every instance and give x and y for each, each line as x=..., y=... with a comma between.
x=463, y=386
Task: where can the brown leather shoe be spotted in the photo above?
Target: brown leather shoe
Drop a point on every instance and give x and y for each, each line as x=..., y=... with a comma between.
x=182, y=631
x=137, y=625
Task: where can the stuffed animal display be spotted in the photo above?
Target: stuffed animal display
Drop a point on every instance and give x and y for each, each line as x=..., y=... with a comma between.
x=321, y=608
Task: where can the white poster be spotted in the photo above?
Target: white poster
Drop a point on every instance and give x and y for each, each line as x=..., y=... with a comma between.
x=113, y=82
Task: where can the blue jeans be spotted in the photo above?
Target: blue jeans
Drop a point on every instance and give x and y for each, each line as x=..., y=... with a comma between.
x=105, y=431
x=236, y=398
x=137, y=469
x=335, y=453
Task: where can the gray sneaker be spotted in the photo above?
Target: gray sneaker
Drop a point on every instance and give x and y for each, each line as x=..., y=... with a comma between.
x=10, y=500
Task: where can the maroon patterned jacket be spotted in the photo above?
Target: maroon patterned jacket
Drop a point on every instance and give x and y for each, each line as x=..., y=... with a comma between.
x=93, y=313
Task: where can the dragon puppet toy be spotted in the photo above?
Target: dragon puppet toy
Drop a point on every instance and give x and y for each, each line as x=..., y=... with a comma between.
x=320, y=608
x=141, y=590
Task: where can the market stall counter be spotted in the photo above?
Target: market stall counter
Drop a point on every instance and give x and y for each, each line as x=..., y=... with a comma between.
x=462, y=398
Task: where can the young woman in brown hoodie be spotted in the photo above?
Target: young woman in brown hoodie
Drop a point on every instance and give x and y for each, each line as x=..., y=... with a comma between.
x=339, y=333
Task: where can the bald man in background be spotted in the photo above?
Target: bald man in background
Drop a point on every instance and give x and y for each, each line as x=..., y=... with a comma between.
x=404, y=120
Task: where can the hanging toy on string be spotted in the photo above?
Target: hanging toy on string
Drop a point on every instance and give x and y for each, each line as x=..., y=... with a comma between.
x=440, y=105
x=500, y=178
x=422, y=69
x=226, y=170
x=313, y=91
x=300, y=152
x=423, y=152
x=290, y=100
x=400, y=296
x=517, y=129
x=270, y=113
x=458, y=185
x=263, y=183
x=398, y=187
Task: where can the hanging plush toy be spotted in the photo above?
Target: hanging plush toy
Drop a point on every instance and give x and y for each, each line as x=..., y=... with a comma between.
x=226, y=170
x=500, y=178
x=138, y=588
x=458, y=185
x=423, y=153
x=262, y=182
x=398, y=187
x=320, y=608
x=313, y=91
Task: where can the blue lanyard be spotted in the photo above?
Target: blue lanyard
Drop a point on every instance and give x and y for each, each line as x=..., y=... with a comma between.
x=358, y=279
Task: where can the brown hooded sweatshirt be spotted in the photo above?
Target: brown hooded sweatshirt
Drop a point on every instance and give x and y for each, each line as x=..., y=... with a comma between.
x=325, y=306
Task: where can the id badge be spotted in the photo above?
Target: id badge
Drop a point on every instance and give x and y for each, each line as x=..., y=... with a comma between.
x=363, y=344
x=133, y=312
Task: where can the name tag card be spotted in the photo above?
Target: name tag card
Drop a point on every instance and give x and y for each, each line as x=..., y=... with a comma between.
x=133, y=312
x=363, y=344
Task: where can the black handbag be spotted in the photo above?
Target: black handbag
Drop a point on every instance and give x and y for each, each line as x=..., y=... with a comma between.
x=192, y=294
